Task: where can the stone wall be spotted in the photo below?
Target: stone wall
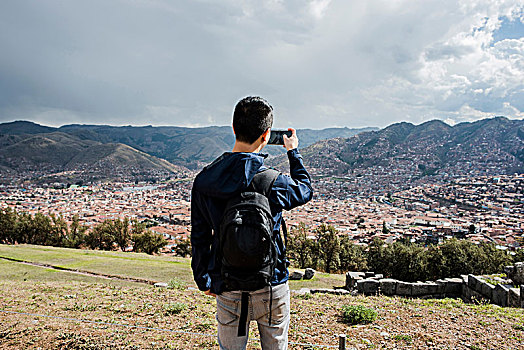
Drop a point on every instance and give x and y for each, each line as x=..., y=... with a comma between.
x=469, y=288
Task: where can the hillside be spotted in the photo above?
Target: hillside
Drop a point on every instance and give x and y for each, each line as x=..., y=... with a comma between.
x=36, y=155
x=190, y=147
x=403, y=153
x=78, y=311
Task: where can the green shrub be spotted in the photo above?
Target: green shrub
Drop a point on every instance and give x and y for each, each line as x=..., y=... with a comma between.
x=518, y=327
x=176, y=283
x=358, y=314
x=405, y=337
x=174, y=308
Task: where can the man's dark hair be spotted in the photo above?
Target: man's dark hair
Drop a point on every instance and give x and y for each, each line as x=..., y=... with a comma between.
x=252, y=117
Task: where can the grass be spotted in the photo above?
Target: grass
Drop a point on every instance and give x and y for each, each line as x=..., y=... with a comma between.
x=315, y=318
x=159, y=268
x=320, y=280
x=174, y=270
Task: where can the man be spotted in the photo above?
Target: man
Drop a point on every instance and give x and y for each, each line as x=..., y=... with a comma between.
x=226, y=177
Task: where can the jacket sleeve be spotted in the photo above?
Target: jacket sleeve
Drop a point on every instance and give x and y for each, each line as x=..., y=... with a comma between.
x=289, y=192
x=201, y=240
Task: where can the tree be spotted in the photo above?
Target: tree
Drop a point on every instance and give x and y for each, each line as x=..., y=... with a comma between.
x=352, y=256
x=76, y=235
x=385, y=229
x=408, y=262
x=435, y=263
x=329, y=247
x=101, y=236
x=496, y=259
x=59, y=230
x=379, y=257
x=121, y=233
x=40, y=230
x=8, y=219
x=23, y=228
x=183, y=247
x=300, y=247
x=148, y=242
x=471, y=229
x=519, y=256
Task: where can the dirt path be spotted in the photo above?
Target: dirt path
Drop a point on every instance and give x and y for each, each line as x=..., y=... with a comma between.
x=79, y=272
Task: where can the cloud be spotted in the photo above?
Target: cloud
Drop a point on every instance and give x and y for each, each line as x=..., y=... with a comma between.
x=320, y=63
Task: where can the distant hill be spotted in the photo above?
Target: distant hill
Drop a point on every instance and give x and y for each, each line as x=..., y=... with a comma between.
x=402, y=154
x=37, y=155
x=189, y=147
x=24, y=127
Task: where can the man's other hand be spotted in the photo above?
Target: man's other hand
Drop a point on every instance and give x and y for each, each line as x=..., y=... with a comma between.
x=208, y=292
x=291, y=142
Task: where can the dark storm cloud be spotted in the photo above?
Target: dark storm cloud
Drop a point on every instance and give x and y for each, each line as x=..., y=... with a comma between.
x=320, y=62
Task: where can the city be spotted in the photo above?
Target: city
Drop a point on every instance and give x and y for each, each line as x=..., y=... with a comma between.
x=481, y=209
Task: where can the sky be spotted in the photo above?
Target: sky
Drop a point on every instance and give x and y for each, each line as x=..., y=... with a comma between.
x=320, y=63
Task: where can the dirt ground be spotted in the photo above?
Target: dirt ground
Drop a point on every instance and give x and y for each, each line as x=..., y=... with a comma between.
x=185, y=319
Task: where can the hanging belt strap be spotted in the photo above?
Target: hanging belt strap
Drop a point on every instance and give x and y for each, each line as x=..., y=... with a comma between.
x=242, y=322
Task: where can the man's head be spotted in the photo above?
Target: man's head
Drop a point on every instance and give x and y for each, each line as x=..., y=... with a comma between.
x=252, y=117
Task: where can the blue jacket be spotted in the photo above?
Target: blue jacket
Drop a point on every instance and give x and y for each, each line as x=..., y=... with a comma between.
x=226, y=176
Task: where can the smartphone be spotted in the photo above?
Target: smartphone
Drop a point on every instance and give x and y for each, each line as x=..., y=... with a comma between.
x=277, y=136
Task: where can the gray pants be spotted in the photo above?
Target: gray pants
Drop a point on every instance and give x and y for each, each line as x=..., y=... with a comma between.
x=272, y=336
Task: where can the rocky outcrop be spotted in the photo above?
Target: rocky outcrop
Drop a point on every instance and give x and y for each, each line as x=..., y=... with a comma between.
x=471, y=288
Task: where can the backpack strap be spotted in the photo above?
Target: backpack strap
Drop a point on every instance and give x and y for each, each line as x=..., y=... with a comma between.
x=263, y=181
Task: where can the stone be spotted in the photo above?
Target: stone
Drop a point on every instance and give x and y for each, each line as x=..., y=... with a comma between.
x=419, y=289
x=368, y=286
x=388, y=286
x=441, y=287
x=369, y=274
x=161, y=285
x=433, y=288
x=487, y=290
x=330, y=291
x=479, y=283
x=454, y=287
x=522, y=295
x=474, y=282
x=404, y=288
x=301, y=291
x=296, y=275
x=500, y=295
x=517, y=273
x=352, y=278
x=309, y=273
x=357, y=274
x=514, y=297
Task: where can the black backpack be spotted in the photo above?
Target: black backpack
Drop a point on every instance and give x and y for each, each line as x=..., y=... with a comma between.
x=246, y=248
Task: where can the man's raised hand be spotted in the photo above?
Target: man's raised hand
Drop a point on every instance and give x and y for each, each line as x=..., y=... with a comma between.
x=291, y=142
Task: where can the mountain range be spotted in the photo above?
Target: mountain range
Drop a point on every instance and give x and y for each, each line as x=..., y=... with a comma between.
x=403, y=153
x=386, y=159
x=29, y=147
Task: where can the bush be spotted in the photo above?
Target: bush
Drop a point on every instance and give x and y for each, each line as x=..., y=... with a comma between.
x=176, y=283
x=183, y=247
x=174, y=308
x=148, y=242
x=358, y=314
